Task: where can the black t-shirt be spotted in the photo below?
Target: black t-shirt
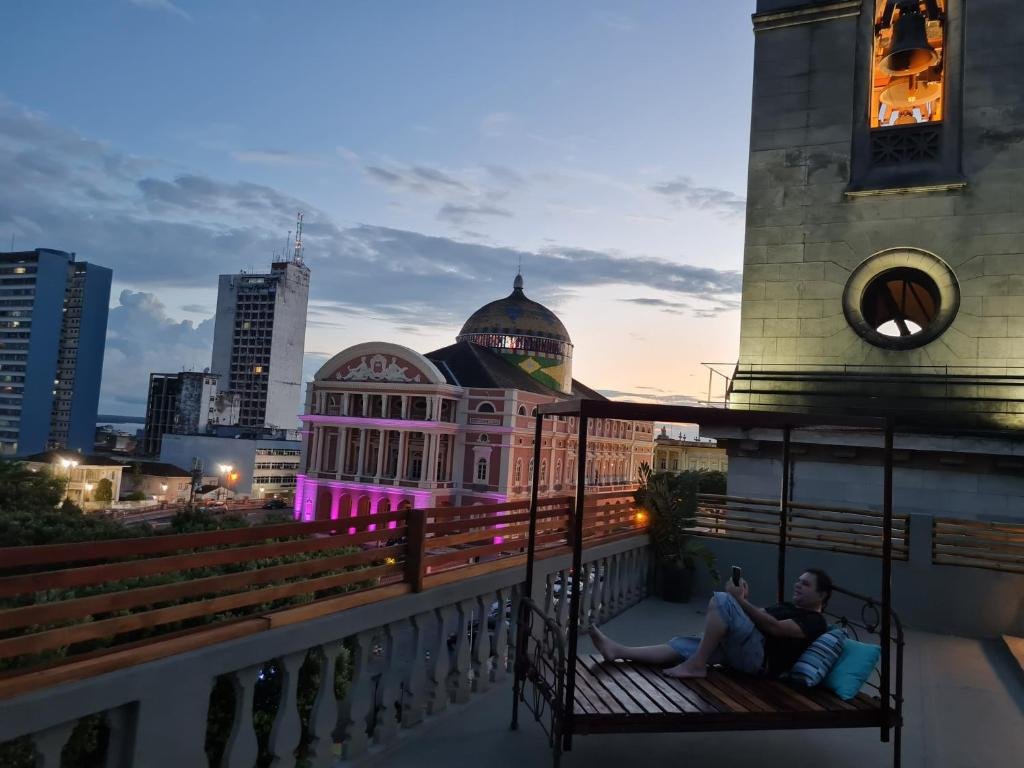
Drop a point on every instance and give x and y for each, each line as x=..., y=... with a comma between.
x=781, y=653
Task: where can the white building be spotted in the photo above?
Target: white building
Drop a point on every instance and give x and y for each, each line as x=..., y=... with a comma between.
x=259, y=340
x=257, y=467
x=83, y=473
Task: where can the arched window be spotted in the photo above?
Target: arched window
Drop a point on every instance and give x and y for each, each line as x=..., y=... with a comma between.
x=558, y=472
x=481, y=470
x=518, y=477
x=484, y=439
x=534, y=411
x=485, y=407
x=522, y=410
x=383, y=506
x=364, y=505
x=404, y=504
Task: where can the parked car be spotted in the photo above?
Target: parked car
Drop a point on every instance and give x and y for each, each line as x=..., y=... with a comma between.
x=275, y=504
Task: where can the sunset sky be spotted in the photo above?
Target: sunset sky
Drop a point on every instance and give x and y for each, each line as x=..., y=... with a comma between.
x=432, y=146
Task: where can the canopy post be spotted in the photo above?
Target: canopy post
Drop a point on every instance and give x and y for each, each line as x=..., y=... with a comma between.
x=784, y=512
x=574, y=587
x=538, y=430
x=886, y=576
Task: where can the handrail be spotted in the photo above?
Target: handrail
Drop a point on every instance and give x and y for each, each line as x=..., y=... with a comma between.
x=66, y=598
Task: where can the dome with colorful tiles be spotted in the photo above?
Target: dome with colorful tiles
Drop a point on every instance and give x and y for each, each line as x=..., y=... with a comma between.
x=527, y=334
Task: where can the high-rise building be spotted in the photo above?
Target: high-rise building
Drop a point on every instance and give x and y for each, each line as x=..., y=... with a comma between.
x=258, y=342
x=53, y=328
x=185, y=403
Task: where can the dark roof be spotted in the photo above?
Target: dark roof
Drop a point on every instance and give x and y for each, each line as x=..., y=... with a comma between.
x=89, y=459
x=466, y=364
x=158, y=469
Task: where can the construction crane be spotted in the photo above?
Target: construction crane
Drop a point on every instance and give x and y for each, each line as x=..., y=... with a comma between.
x=297, y=258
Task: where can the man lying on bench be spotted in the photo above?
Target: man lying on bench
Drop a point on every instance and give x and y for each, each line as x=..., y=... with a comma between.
x=738, y=634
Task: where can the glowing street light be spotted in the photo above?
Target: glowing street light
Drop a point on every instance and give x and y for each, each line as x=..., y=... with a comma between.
x=225, y=468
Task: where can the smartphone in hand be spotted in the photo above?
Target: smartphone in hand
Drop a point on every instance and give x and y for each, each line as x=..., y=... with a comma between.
x=737, y=574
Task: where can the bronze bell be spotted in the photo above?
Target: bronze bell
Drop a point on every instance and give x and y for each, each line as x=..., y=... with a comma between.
x=910, y=52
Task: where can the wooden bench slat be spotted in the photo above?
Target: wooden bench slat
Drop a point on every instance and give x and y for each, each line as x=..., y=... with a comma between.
x=624, y=702
x=638, y=693
x=667, y=703
x=689, y=700
x=608, y=702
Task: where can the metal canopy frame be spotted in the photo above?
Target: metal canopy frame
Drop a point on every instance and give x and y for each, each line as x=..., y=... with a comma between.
x=585, y=410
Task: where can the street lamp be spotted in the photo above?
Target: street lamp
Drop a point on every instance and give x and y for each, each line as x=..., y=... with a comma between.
x=68, y=464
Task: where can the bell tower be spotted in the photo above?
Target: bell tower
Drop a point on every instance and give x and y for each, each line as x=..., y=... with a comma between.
x=884, y=254
x=884, y=260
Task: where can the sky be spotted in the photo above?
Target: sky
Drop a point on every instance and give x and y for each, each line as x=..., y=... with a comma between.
x=432, y=146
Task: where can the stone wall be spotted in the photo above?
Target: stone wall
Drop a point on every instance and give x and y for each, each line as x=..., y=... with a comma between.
x=809, y=227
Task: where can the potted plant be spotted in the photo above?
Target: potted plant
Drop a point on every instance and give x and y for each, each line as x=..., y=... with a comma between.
x=671, y=502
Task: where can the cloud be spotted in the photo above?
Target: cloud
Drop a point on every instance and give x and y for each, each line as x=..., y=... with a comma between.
x=614, y=21
x=495, y=124
x=280, y=158
x=162, y=5
x=707, y=306
x=158, y=228
x=682, y=191
x=197, y=309
x=462, y=215
x=420, y=179
x=143, y=339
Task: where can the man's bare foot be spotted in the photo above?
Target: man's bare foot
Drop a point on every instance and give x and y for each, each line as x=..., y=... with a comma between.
x=686, y=670
x=603, y=644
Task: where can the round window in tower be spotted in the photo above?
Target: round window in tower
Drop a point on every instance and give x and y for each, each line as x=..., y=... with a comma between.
x=901, y=299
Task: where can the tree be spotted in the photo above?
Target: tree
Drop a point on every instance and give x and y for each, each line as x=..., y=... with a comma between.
x=23, y=488
x=33, y=510
x=104, y=491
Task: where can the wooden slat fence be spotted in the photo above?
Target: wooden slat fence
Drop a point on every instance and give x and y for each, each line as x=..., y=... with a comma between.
x=978, y=544
x=811, y=526
x=71, y=600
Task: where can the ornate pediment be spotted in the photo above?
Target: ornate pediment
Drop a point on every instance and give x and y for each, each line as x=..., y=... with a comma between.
x=380, y=368
x=382, y=363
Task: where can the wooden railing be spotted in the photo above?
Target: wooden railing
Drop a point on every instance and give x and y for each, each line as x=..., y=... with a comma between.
x=978, y=544
x=812, y=526
x=71, y=600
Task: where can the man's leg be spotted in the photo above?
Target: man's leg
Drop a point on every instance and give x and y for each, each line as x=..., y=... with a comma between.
x=715, y=629
x=645, y=654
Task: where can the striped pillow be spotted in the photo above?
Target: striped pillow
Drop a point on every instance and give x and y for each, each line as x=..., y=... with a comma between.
x=814, y=663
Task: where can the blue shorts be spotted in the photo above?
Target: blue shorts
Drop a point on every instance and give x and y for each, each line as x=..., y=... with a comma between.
x=741, y=649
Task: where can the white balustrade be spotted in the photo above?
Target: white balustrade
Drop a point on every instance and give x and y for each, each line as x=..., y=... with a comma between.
x=404, y=670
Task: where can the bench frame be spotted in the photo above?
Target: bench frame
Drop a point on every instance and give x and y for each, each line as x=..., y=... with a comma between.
x=546, y=653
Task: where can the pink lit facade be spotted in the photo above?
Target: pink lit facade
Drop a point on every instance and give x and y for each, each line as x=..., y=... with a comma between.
x=387, y=428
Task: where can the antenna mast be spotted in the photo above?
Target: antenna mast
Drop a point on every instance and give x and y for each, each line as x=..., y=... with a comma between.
x=297, y=258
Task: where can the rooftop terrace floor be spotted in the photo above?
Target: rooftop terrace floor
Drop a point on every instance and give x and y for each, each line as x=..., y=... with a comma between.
x=964, y=709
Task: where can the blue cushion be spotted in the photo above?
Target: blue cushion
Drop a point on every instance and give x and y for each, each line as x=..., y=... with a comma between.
x=855, y=665
x=814, y=663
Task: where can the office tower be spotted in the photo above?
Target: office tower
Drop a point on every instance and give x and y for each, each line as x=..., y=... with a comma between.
x=258, y=342
x=53, y=328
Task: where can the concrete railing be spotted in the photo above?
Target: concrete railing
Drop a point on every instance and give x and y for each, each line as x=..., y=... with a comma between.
x=406, y=659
